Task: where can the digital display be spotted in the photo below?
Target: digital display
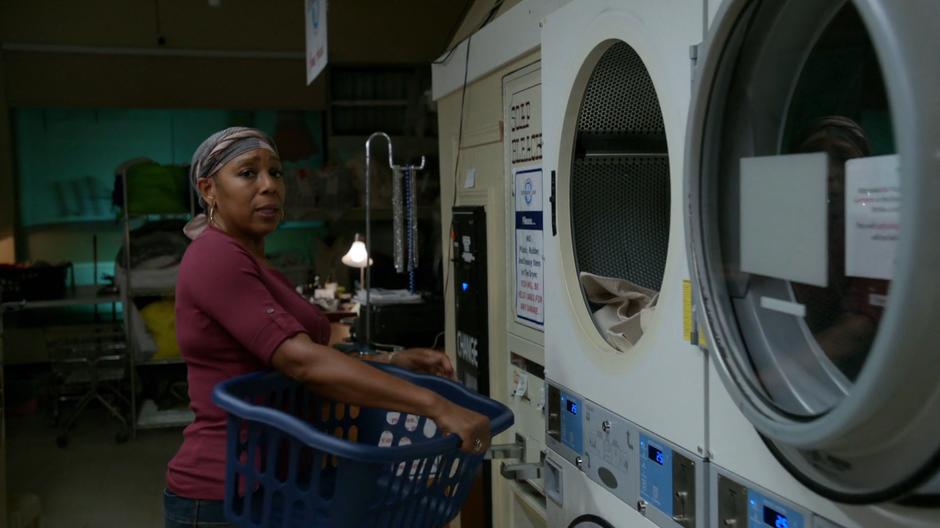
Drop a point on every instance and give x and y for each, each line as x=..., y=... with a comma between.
x=656, y=455
x=775, y=518
x=573, y=407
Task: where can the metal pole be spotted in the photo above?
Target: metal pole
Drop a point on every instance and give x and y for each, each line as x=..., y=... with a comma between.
x=369, y=226
x=391, y=164
x=127, y=299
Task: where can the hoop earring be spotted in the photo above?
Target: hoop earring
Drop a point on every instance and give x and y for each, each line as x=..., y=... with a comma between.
x=211, y=213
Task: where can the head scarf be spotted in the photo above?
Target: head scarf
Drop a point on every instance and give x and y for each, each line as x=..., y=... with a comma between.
x=217, y=150
x=838, y=136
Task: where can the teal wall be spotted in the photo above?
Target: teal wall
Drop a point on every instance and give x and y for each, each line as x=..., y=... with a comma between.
x=65, y=160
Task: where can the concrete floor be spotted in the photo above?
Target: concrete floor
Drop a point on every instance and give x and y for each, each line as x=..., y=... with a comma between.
x=94, y=482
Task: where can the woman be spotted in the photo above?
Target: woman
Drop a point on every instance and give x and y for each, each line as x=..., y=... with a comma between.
x=235, y=314
x=844, y=315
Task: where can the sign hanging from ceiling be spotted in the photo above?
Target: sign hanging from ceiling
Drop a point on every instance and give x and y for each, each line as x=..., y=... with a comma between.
x=315, y=26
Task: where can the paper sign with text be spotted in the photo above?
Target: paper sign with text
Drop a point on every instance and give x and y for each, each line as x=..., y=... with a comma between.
x=872, y=216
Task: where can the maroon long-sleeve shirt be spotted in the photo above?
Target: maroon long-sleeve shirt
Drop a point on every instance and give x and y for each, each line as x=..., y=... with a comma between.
x=232, y=312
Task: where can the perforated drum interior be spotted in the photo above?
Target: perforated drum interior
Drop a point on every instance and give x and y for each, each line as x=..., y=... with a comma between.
x=620, y=174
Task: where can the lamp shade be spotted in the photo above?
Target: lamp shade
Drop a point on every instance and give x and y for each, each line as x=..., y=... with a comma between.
x=357, y=255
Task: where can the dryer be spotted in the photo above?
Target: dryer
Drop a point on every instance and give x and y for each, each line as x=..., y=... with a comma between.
x=813, y=155
x=616, y=79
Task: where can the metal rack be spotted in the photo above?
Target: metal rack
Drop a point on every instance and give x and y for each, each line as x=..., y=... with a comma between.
x=368, y=241
x=86, y=357
x=150, y=419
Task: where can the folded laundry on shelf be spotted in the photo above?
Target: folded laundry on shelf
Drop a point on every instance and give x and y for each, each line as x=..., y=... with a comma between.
x=383, y=296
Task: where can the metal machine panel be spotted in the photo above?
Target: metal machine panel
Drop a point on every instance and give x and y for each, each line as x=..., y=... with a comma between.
x=672, y=484
x=819, y=522
x=610, y=452
x=656, y=474
x=564, y=424
x=736, y=501
x=762, y=509
x=526, y=380
x=554, y=485
x=572, y=424
x=585, y=504
x=664, y=482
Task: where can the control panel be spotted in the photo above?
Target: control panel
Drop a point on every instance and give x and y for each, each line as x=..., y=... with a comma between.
x=669, y=482
x=656, y=474
x=564, y=424
x=662, y=481
x=738, y=502
x=610, y=451
x=763, y=511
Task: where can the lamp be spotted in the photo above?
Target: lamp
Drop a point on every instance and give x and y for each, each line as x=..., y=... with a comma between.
x=356, y=257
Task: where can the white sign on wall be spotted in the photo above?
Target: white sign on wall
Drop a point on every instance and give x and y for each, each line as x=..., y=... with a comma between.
x=525, y=138
x=315, y=25
x=872, y=216
x=530, y=303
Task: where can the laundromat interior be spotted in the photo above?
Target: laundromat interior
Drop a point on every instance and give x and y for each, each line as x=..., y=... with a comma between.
x=469, y=263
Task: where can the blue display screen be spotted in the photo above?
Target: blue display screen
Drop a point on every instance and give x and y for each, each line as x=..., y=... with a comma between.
x=573, y=407
x=775, y=518
x=656, y=455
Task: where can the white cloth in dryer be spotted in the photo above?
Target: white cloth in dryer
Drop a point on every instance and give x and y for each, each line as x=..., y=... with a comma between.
x=625, y=309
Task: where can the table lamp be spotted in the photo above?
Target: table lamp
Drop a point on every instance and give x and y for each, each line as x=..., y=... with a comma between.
x=356, y=257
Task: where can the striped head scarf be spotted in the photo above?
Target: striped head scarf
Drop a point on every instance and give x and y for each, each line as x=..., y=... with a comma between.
x=217, y=150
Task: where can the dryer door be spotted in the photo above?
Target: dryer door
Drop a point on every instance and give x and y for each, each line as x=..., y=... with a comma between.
x=590, y=521
x=813, y=169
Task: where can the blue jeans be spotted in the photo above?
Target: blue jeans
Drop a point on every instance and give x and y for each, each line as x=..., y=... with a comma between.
x=180, y=512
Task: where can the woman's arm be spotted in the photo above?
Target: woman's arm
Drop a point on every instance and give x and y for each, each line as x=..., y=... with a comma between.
x=331, y=373
x=423, y=360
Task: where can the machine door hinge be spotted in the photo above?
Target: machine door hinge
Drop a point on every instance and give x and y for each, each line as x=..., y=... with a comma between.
x=551, y=199
x=693, y=60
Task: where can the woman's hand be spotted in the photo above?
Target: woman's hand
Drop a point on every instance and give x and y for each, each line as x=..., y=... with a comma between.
x=472, y=428
x=331, y=373
x=423, y=360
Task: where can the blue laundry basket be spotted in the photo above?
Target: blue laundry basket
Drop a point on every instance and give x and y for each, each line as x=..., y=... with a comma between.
x=298, y=459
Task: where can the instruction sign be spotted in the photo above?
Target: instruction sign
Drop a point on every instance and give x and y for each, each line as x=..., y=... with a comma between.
x=872, y=216
x=530, y=304
x=525, y=161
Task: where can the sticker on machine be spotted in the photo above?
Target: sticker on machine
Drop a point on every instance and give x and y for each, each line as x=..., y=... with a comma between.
x=872, y=216
x=529, y=292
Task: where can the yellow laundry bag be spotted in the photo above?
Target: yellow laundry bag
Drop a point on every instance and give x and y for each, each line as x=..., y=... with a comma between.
x=160, y=318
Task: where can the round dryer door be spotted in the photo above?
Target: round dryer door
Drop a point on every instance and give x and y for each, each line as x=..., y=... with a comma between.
x=618, y=191
x=813, y=173
x=590, y=521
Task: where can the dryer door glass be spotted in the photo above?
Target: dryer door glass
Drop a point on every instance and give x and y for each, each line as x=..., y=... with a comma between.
x=808, y=202
x=812, y=211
